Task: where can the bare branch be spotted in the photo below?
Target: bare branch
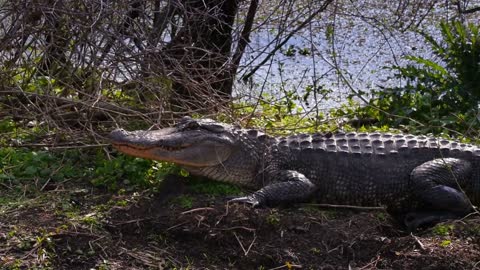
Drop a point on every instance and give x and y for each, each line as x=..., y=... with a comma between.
x=301, y=26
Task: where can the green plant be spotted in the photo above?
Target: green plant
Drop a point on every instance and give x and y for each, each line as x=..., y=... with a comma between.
x=184, y=201
x=443, y=229
x=445, y=243
x=130, y=171
x=7, y=125
x=273, y=218
x=20, y=166
x=290, y=51
x=381, y=216
x=444, y=93
x=90, y=220
x=39, y=167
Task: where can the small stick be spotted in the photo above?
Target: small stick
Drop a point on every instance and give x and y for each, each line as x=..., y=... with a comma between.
x=241, y=245
x=346, y=206
x=178, y=225
x=251, y=244
x=197, y=209
x=238, y=227
x=420, y=244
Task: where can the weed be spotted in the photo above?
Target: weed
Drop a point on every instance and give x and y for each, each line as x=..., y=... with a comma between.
x=184, y=201
x=19, y=166
x=445, y=243
x=122, y=203
x=381, y=216
x=443, y=229
x=90, y=219
x=16, y=265
x=131, y=171
x=157, y=238
x=11, y=233
x=103, y=265
x=273, y=218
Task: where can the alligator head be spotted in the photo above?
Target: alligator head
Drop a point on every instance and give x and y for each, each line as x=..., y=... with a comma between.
x=192, y=143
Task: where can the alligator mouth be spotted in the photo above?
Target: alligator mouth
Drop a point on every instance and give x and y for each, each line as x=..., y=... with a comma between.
x=191, y=148
x=140, y=148
x=165, y=140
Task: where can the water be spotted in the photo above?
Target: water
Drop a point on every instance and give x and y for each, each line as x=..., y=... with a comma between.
x=356, y=38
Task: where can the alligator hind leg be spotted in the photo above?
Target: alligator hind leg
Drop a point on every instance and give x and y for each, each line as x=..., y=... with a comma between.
x=435, y=185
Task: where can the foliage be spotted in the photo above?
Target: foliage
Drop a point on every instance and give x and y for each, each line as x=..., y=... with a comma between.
x=444, y=93
x=40, y=167
x=273, y=218
x=11, y=131
x=281, y=116
x=443, y=229
x=126, y=169
x=285, y=115
x=184, y=201
x=445, y=243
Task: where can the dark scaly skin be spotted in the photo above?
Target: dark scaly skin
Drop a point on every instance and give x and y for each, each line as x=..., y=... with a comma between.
x=416, y=177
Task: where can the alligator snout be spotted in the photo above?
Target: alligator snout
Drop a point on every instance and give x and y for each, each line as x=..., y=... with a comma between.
x=118, y=135
x=146, y=138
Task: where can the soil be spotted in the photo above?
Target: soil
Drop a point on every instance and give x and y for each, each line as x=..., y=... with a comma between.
x=80, y=227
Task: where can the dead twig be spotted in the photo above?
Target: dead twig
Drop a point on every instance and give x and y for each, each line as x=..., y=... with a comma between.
x=238, y=227
x=131, y=221
x=372, y=264
x=300, y=26
x=287, y=265
x=418, y=242
x=175, y=226
x=365, y=208
x=147, y=258
x=197, y=209
x=245, y=251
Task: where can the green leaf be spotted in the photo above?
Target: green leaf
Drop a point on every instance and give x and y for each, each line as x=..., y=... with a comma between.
x=30, y=170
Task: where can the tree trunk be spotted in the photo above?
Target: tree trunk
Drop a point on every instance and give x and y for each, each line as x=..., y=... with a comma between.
x=199, y=55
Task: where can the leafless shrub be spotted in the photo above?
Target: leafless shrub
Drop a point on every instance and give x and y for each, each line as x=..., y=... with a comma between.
x=93, y=64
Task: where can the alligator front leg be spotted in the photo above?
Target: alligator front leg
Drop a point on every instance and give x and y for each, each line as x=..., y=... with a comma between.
x=436, y=187
x=289, y=186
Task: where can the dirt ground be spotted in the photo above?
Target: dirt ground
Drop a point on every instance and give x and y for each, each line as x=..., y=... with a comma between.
x=79, y=227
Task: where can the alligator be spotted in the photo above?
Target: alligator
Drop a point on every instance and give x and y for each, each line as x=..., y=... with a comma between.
x=420, y=180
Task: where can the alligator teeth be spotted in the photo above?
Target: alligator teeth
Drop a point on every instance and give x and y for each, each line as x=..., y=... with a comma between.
x=171, y=148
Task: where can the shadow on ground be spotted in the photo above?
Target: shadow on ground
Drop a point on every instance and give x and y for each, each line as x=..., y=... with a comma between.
x=75, y=227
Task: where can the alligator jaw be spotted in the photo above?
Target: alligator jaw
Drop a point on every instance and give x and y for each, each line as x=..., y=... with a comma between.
x=191, y=148
x=145, y=151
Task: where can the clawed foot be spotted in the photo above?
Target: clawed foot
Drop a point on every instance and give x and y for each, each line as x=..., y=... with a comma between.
x=249, y=200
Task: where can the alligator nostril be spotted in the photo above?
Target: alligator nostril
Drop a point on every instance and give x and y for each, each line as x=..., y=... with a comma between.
x=117, y=134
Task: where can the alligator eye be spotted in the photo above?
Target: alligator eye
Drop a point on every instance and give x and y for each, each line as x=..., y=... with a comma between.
x=185, y=119
x=192, y=125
